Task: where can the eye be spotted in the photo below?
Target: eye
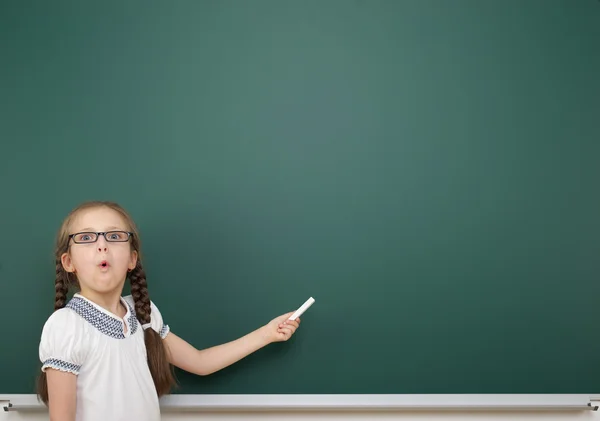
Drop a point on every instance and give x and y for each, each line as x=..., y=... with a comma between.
x=117, y=235
x=84, y=237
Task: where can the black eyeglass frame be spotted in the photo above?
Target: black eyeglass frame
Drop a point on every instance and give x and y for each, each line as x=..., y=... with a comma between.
x=98, y=234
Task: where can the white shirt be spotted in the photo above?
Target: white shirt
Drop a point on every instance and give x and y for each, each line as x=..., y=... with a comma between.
x=114, y=382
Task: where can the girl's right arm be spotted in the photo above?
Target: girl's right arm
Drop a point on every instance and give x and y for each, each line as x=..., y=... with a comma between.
x=62, y=351
x=62, y=395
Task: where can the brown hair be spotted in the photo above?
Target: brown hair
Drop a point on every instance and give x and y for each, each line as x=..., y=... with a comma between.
x=161, y=370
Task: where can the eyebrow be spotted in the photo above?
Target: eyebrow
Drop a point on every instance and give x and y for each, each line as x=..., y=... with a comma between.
x=107, y=229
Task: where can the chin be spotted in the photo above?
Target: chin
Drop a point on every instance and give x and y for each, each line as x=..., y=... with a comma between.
x=104, y=286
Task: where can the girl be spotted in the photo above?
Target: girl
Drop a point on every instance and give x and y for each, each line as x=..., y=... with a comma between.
x=108, y=357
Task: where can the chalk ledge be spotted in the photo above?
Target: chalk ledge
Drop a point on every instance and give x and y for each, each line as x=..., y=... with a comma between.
x=364, y=402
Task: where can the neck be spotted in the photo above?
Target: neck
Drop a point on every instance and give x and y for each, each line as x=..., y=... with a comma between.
x=110, y=301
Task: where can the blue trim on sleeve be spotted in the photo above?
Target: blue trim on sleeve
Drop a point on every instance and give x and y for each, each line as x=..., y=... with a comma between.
x=164, y=331
x=61, y=365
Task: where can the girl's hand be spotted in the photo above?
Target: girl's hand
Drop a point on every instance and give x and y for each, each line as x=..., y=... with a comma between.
x=280, y=328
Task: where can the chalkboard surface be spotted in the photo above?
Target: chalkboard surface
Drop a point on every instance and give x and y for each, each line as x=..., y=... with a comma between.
x=426, y=170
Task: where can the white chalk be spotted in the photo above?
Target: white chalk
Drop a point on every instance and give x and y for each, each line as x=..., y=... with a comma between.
x=302, y=309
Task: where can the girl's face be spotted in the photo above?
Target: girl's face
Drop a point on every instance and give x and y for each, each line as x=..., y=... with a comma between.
x=101, y=266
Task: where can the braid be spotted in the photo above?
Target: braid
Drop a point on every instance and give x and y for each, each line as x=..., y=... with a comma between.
x=139, y=292
x=61, y=286
x=158, y=360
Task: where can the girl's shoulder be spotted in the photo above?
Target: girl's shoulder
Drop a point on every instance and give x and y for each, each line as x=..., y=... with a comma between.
x=64, y=341
x=64, y=319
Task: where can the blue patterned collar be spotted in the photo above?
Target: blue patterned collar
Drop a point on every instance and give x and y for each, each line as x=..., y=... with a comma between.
x=102, y=319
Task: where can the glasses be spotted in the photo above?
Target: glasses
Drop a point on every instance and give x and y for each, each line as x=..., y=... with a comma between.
x=92, y=237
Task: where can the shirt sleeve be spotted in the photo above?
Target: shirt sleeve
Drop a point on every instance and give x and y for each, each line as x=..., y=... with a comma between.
x=62, y=346
x=157, y=321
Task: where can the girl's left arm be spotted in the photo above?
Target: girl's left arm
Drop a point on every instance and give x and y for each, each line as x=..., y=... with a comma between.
x=207, y=361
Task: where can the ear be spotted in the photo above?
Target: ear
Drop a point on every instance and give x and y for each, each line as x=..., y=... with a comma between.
x=67, y=263
x=133, y=260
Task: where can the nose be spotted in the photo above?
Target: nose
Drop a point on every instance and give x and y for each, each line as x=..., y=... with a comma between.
x=102, y=243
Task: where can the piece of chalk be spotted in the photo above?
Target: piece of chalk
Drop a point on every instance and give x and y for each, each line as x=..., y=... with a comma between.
x=302, y=309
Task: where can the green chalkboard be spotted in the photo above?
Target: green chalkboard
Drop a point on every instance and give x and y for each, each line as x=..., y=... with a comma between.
x=426, y=170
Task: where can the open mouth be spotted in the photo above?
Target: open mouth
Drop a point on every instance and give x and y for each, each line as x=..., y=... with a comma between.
x=104, y=264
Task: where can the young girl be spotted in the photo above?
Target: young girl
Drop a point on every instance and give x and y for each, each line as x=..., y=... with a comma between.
x=108, y=357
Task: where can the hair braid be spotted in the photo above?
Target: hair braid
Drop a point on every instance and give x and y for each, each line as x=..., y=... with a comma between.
x=139, y=292
x=158, y=361
x=61, y=286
